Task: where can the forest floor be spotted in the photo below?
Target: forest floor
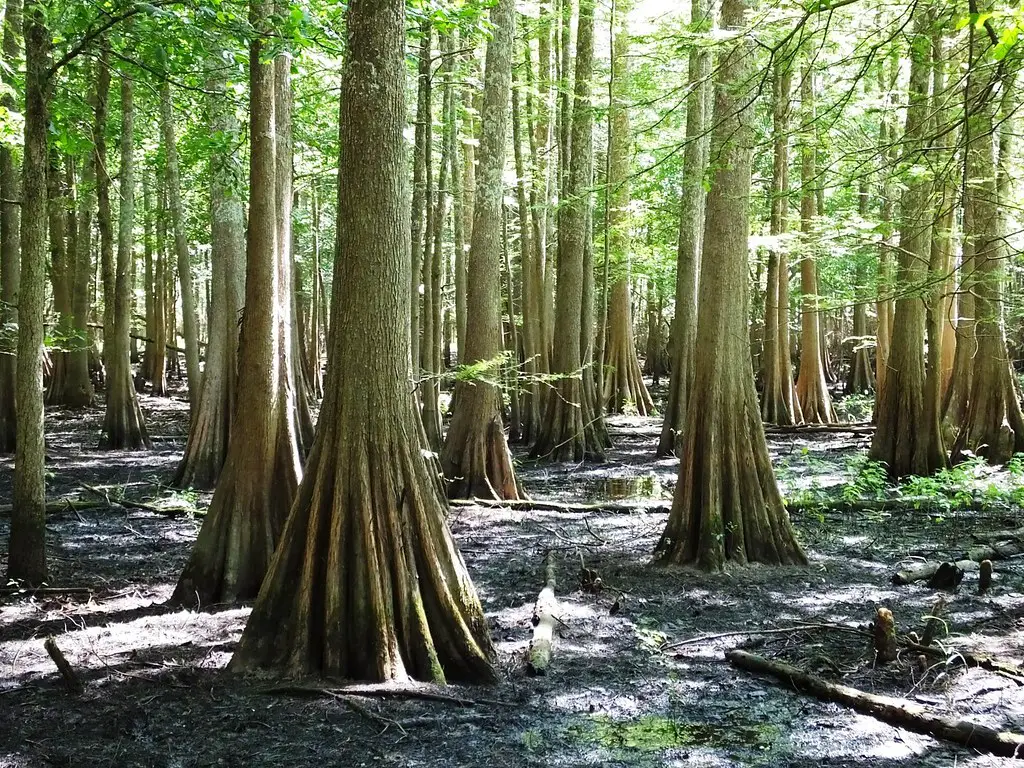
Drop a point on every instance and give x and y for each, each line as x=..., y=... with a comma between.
x=616, y=694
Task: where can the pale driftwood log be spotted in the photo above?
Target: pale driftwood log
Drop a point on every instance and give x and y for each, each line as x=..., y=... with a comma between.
x=72, y=682
x=898, y=712
x=971, y=561
x=924, y=571
x=539, y=655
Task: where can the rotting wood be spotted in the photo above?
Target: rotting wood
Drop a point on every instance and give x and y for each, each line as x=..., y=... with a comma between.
x=39, y=591
x=971, y=561
x=933, y=622
x=984, y=576
x=924, y=571
x=72, y=682
x=801, y=627
x=57, y=505
x=980, y=661
x=539, y=654
x=892, y=710
x=885, y=636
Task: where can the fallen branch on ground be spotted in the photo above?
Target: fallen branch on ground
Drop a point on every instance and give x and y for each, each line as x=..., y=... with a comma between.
x=62, y=504
x=886, y=708
x=539, y=655
x=72, y=682
x=27, y=591
x=561, y=506
x=980, y=661
x=858, y=428
x=802, y=627
x=130, y=504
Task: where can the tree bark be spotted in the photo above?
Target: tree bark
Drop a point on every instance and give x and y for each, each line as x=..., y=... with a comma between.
x=123, y=424
x=263, y=467
x=993, y=424
x=811, y=386
x=570, y=427
x=210, y=429
x=367, y=582
x=726, y=505
x=907, y=438
x=623, y=383
x=189, y=321
x=779, y=403
x=691, y=233
x=10, y=226
x=26, y=552
x=475, y=457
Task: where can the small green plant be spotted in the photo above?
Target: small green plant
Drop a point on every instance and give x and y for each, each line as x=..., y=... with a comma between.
x=869, y=480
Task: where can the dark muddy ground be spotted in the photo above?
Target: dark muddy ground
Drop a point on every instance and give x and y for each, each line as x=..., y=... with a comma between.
x=156, y=693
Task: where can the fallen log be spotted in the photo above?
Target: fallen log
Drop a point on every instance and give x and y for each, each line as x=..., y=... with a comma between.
x=856, y=428
x=925, y=571
x=899, y=712
x=176, y=511
x=42, y=591
x=971, y=561
x=56, y=505
x=539, y=656
x=980, y=661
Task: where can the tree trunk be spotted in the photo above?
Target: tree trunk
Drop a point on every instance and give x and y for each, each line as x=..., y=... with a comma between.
x=570, y=427
x=209, y=432
x=123, y=424
x=104, y=220
x=727, y=505
x=623, y=383
x=691, y=232
x=888, y=147
x=10, y=226
x=262, y=469
x=158, y=367
x=57, y=204
x=26, y=548
x=860, y=380
x=475, y=457
x=811, y=386
x=779, y=403
x=420, y=203
x=907, y=438
x=993, y=425
x=189, y=320
x=367, y=583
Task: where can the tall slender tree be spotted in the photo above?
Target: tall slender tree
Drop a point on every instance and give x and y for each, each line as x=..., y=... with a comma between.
x=727, y=505
x=691, y=233
x=123, y=424
x=262, y=468
x=475, y=457
x=10, y=224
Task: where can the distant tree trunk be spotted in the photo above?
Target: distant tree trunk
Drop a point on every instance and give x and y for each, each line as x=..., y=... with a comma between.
x=104, y=220
x=389, y=598
x=26, y=548
x=691, y=230
x=209, y=433
x=779, y=403
x=727, y=505
x=123, y=424
x=907, y=438
x=189, y=320
x=314, y=346
x=861, y=379
x=811, y=385
x=888, y=143
x=475, y=457
x=149, y=277
x=158, y=367
x=78, y=388
x=57, y=203
x=540, y=111
x=993, y=425
x=430, y=349
x=512, y=346
x=420, y=202
x=10, y=225
x=623, y=381
x=571, y=425
x=262, y=468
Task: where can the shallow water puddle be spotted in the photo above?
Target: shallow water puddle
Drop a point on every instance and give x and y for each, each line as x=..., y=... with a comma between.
x=629, y=487
x=654, y=734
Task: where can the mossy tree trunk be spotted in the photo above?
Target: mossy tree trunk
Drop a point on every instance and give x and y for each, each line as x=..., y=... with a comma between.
x=727, y=506
x=262, y=469
x=475, y=457
x=779, y=403
x=209, y=433
x=907, y=439
x=124, y=426
x=26, y=548
x=571, y=427
x=367, y=582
